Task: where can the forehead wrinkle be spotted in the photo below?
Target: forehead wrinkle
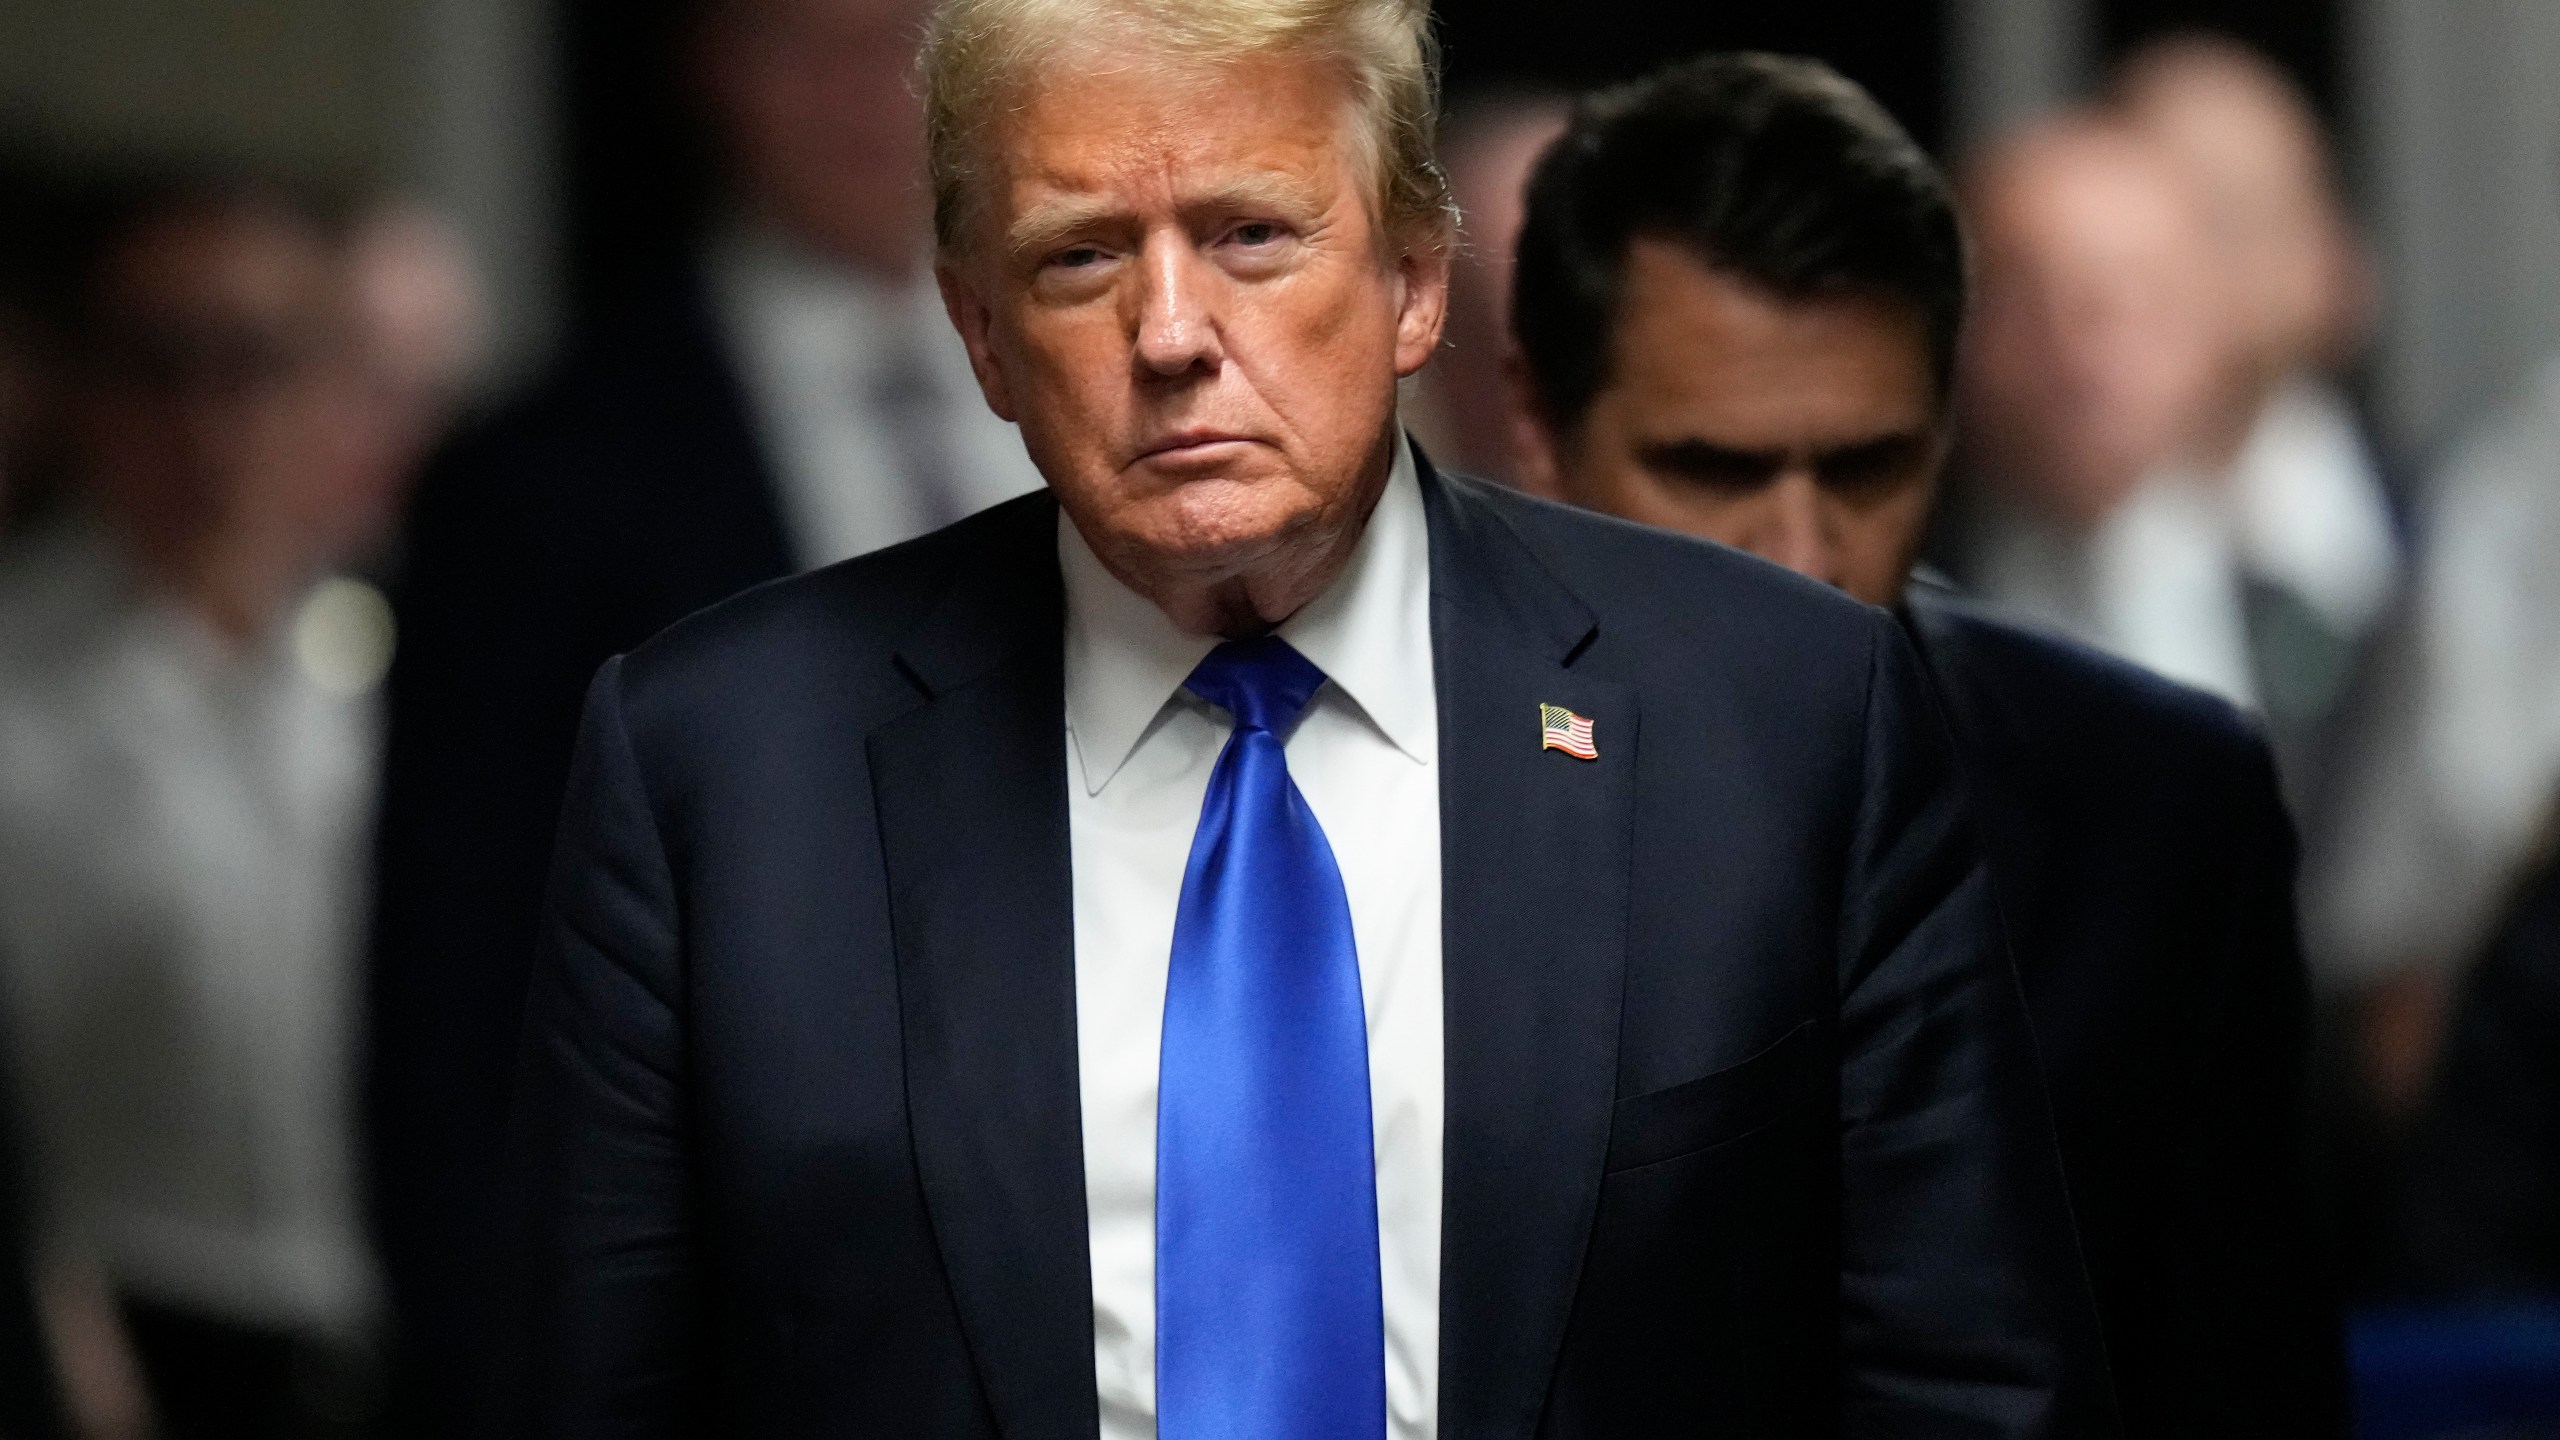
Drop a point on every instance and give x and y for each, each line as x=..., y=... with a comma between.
x=1281, y=190
x=1163, y=152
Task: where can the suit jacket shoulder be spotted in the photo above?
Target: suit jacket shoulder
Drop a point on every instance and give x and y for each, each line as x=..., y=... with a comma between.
x=1713, y=640
x=866, y=621
x=2046, y=697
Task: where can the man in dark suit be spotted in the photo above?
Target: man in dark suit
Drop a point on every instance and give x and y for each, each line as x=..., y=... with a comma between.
x=1738, y=295
x=1266, y=940
x=796, y=398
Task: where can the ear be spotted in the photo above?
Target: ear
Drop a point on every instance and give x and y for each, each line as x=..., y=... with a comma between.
x=1540, y=450
x=974, y=316
x=1422, y=306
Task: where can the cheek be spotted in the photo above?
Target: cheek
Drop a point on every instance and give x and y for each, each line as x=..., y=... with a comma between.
x=1064, y=370
x=1314, y=343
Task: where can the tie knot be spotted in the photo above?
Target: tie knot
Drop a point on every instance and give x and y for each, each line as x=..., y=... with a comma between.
x=1261, y=682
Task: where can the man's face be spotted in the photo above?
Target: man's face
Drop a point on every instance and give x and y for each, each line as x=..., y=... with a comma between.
x=212, y=405
x=1178, y=288
x=2101, y=339
x=1805, y=431
x=2289, y=257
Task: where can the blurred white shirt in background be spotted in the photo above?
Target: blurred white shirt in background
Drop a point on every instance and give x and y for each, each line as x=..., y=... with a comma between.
x=2167, y=581
x=2452, y=793
x=863, y=397
x=182, y=830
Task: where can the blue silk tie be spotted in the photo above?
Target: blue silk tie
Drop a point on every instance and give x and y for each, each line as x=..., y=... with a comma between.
x=1268, y=1319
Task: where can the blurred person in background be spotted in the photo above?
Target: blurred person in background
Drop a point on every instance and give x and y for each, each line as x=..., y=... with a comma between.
x=2316, y=537
x=420, y=315
x=188, y=734
x=2158, y=466
x=1738, y=293
x=795, y=399
x=2094, y=349
x=2446, y=799
x=1460, y=407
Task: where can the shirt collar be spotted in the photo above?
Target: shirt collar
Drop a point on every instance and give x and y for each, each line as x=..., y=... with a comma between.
x=1369, y=632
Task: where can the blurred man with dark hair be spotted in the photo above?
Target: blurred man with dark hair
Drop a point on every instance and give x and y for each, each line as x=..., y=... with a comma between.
x=1739, y=292
x=188, y=731
x=796, y=399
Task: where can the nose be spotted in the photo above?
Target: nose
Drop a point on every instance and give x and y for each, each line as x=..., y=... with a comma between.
x=1177, y=322
x=1792, y=529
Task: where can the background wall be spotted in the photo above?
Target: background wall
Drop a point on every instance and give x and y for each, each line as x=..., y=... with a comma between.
x=2458, y=121
x=449, y=98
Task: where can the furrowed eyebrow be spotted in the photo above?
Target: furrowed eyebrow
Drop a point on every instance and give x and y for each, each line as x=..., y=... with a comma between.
x=1696, y=456
x=1883, y=450
x=1051, y=222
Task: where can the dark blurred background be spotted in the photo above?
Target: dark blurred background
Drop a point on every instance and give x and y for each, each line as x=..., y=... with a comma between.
x=414, y=355
x=557, y=134
x=635, y=178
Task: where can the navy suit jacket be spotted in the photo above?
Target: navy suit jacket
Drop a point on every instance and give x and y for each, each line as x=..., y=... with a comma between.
x=1744, y=1131
x=2144, y=865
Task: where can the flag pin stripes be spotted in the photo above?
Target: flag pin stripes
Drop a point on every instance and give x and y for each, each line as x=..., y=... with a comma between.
x=1561, y=729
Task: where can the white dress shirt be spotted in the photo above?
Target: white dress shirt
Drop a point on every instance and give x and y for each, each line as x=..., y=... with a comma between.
x=2157, y=582
x=2449, y=796
x=2161, y=581
x=1140, y=749
x=815, y=346
x=2313, y=517
x=182, y=836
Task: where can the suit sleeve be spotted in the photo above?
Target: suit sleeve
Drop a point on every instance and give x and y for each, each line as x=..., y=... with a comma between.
x=601, y=1134
x=1965, y=1307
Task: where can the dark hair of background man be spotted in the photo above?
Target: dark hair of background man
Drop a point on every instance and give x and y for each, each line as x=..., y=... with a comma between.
x=1771, y=169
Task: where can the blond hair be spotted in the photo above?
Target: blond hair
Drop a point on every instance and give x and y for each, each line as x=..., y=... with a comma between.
x=978, y=53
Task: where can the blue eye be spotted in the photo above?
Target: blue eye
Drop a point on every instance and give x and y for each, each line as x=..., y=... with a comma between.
x=1076, y=259
x=1259, y=232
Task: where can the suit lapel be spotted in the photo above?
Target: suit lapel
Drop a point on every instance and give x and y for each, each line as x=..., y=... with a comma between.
x=1534, y=855
x=971, y=796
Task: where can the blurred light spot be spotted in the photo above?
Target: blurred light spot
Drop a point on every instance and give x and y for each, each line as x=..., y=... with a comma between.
x=344, y=636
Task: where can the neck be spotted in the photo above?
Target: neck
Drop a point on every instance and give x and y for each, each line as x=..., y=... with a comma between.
x=2228, y=428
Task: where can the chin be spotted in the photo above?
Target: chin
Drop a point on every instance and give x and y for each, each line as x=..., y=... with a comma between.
x=1219, y=527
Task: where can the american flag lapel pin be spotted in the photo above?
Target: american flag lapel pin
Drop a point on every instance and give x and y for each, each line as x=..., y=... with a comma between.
x=1561, y=729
